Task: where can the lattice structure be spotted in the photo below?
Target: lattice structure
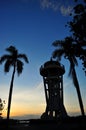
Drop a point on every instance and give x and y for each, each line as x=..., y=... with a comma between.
x=52, y=72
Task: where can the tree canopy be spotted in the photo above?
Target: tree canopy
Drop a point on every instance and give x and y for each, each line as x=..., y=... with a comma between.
x=78, y=28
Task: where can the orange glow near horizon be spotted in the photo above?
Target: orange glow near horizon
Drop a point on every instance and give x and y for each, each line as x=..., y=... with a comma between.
x=22, y=110
x=34, y=110
x=32, y=102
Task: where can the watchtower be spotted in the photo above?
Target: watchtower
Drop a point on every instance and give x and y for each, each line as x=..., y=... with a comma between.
x=52, y=72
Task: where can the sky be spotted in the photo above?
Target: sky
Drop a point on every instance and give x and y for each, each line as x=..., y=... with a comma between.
x=32, y=26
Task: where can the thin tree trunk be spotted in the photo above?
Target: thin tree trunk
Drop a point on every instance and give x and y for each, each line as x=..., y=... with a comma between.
x=10, y=95
x=78, y=92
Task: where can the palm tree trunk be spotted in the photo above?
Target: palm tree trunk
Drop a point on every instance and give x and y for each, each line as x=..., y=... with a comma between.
x=78, y=91
x=10, y=95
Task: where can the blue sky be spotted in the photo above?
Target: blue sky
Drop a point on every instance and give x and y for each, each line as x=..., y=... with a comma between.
x=31, y=26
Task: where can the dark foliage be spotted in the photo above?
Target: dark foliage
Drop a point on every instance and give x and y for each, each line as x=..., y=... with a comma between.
x=78, y=28
x=74, y=46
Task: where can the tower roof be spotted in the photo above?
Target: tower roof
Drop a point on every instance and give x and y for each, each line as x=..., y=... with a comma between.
x=52, y=68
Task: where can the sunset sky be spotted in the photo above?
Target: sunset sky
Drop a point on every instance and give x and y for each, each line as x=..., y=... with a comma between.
x=32, y=26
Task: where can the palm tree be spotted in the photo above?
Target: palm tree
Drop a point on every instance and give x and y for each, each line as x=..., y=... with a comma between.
x=12, y=60
x=66, y=48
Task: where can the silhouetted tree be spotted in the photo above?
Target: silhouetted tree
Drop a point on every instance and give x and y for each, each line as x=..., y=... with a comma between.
x=66, y=48
x=13, y=59
x=2, y=104
x=78, y=28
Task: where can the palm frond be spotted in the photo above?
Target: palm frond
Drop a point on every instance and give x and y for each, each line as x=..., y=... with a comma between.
x=11, y=49
x=58, y=54
x=19, y=67
x=24, y=57
x=3, y=58
x=57, y=43
x=7, y=66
